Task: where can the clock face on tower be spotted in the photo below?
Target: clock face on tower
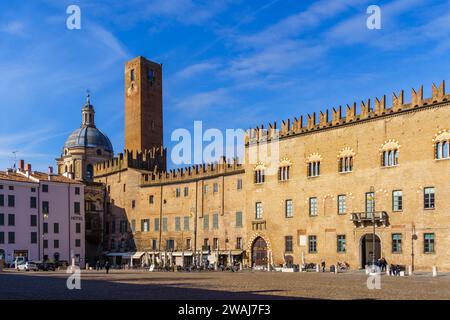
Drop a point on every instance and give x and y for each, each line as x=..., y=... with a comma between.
x=132, y=88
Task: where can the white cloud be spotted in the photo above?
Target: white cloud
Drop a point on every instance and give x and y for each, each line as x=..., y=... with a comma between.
x=188, y=12
x=28, y=144
x=196, y=69
x=14, y=28
x=109, y=41
x=273, y=60
x=202, y=101
x=297, y=24
x=392, y=35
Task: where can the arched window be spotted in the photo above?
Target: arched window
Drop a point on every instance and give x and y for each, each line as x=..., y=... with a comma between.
x=283, y=173
x=389, y=153
x=445, y=151
x=259, y=174
x=284, y=170
x=438, y=150
x=345, y=160
x=441, y=145
x=313, y=165
x=391, y=157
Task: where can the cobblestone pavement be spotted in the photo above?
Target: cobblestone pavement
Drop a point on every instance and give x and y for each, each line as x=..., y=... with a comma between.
x=218, y=285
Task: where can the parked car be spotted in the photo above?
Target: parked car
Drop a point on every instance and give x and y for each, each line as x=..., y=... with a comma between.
x=27, y=266
x=18, y=261
x=46, y=266
x=62, y=264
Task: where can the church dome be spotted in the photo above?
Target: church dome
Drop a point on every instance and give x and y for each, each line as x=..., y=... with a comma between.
x=88, y=137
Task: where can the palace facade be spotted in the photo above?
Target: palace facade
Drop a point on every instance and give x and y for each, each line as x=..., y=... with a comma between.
x=334, y=179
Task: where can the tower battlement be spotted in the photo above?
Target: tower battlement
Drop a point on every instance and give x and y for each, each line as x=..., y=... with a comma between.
x=298, y=125
x=201, y=171
x=148, y=160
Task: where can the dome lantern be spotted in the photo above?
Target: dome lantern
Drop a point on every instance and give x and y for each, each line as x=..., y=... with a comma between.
x=88, y=113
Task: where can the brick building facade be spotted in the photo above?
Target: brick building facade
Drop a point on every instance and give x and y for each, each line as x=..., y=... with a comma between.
x=332, y=179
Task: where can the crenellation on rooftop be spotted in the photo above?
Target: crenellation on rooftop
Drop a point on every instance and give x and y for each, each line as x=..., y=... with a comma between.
x=146, y=160
x=352, y=115
x=199, y=171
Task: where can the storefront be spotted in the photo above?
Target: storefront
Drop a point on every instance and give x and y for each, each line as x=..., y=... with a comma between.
x=183, y=259
x=130, y=259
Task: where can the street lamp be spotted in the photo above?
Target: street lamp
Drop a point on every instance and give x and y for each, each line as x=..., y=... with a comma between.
x=372, y=199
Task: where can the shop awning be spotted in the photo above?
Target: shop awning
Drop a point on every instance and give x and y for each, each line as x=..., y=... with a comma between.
x=138, y=255
x=180, y=253
x=120, y=254
x=126, y=255
x=233, y=252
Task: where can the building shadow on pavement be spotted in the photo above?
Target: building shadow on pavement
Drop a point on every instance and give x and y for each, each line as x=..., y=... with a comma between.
x=15, y=286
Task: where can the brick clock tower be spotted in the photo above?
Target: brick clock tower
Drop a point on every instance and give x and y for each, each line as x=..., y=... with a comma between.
x=143, y=105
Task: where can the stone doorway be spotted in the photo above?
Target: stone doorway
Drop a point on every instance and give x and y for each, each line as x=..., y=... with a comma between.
x=259, y=253
x=366, y=249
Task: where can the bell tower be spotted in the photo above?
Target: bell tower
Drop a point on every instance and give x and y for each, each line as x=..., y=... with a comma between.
x=143, y=105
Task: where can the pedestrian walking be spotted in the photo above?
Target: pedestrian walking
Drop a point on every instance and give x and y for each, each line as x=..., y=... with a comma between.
x=383, y=264
x=323, y=265
x=97, y=265
x=107, y=266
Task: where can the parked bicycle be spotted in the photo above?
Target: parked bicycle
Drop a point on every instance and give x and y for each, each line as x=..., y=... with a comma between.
x=343, y=266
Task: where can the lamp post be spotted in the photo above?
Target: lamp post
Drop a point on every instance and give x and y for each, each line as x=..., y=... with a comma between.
x=413, y=237
x=372, y=199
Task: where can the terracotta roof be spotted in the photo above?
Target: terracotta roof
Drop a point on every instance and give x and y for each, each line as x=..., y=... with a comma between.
x=54, y=177
x=12, y=176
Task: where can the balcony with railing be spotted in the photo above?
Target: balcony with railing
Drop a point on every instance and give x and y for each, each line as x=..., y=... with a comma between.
x=367, y=218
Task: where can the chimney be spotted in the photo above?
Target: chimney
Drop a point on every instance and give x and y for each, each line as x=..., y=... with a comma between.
x=28, y=168
x=50, y=170
x=21, y=165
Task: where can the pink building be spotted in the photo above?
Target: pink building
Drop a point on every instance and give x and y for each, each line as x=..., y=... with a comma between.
x=41, y=216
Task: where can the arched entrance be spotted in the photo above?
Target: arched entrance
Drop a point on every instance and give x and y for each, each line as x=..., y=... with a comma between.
x=366, y=249
x=259, y=252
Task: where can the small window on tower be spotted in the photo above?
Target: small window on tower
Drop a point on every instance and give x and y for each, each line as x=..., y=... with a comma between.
x=132, y=75
x=150, y=74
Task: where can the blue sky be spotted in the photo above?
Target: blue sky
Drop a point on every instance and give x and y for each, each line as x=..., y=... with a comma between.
x=229, y=63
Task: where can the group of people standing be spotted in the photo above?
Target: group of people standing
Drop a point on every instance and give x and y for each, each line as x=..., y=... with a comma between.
x=100, y=266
